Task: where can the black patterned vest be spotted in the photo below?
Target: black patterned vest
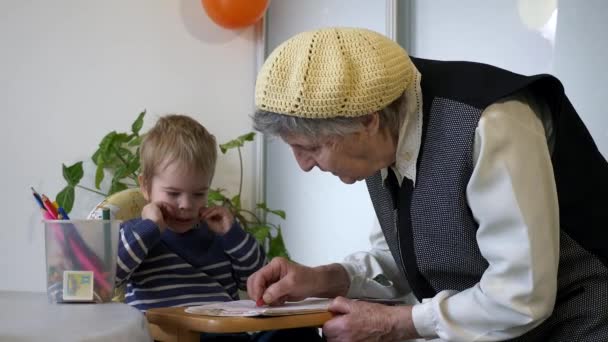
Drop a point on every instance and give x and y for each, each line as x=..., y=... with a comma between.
x=431, y=234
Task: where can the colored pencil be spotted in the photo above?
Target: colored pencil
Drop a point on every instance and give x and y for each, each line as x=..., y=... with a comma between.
x=63, y=214
x=107, y=234
x=49, y=207
x=37, y=198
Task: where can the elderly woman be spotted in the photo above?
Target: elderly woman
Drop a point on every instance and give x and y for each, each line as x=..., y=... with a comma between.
x=490, y=193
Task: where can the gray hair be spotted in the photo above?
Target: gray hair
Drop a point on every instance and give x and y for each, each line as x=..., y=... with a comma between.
x=391, y=118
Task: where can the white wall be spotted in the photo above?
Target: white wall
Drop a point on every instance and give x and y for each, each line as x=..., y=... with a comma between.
x=581, y=52
x=510, y=34
x=71, y=71
x=326, y=219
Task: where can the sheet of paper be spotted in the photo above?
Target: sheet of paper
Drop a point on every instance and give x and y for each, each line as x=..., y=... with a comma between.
x=247, y=308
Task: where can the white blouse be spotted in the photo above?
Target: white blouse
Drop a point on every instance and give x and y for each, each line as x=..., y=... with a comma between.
x=513, y=198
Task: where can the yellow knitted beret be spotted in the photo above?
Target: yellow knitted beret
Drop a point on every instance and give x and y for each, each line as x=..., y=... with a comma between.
x=333, y=72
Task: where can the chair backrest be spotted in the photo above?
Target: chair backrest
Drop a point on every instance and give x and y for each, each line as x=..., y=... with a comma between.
x=123, y=205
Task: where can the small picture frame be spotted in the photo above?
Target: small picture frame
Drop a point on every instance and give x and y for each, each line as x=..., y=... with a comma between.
x=78, y=285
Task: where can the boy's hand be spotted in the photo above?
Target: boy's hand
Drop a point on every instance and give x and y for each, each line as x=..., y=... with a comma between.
x=157, y=212
x=219, y=219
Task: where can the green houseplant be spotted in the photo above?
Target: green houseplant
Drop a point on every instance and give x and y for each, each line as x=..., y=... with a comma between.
x=118, y=156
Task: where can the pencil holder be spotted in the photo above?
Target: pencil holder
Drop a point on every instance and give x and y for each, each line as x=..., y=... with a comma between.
x=81, y=260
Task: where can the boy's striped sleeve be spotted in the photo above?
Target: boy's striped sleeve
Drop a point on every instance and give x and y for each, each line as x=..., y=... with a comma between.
x=245, y=253
x=133, y=245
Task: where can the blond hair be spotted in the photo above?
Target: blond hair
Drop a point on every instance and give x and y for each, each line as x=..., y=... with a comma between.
x=177, y=138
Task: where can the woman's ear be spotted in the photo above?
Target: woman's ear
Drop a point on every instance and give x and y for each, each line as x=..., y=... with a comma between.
x=371, y=123
x=143, y=188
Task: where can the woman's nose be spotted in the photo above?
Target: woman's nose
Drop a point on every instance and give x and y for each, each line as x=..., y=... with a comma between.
x=305, y=161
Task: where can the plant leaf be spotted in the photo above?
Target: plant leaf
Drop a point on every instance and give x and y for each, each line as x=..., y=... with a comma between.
x=215, y=197
x=99, y=171
x=119, y=173
x=135, y=141
x=106, y=141
x=110, y=147
x=238, y=142
x=277, y=246
x=95, y=156
x=230, y=145
x=236, y=202
x=133, y=164
x=125, y=153
x=116, y=187
x=138, y=123
x=260, y=233
x=65, y=198
x=279, y=213
x=262, y=205
x=73, y=173
x=120, y=138
x=246, y=137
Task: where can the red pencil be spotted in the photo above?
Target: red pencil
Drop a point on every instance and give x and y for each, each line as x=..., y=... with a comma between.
x=49, y=207
x=260, y=302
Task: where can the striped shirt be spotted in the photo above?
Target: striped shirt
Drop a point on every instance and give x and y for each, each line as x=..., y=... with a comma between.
x=196, y=267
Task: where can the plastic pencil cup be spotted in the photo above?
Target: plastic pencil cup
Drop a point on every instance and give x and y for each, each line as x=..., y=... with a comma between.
x=77, y=267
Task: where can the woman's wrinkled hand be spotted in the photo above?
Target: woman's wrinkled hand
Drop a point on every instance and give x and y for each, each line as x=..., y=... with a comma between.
x=362, y=321
x=281, y=281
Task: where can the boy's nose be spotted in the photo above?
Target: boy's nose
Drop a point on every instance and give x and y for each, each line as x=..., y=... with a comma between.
x=185, y=204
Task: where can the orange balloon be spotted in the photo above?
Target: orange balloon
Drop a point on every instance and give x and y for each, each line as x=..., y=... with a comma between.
x=234, y=14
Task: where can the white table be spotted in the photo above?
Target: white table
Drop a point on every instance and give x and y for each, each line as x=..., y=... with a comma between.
x=27, y=316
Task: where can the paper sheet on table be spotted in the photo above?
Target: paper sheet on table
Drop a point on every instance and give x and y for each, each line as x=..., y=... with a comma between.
x=247, y=308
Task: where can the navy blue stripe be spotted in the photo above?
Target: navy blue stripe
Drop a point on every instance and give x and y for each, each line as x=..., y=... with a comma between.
x=142, y=294
x=179, y=302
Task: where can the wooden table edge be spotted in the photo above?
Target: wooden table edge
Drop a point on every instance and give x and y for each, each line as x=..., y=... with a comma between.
x=177, y=318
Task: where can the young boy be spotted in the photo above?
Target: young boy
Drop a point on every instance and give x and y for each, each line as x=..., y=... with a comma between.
x=180, y=252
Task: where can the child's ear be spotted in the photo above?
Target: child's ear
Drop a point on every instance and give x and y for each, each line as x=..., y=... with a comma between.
x=143, y=188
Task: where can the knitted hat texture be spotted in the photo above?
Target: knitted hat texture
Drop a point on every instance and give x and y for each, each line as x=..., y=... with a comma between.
x=333, y=72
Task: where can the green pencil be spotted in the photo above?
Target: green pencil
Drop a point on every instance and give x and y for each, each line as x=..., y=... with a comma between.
x=107, y=234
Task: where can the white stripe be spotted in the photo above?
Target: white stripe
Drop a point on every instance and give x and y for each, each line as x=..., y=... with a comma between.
x=230, y=286
x=172, y=276
x=250, y=267
x=196, y=303
x=169, y=287
x=160, y=257
x=167, y=299
x=128, y=248
x=240, y=245
x=171, y=267
x=118, y=279
x=219, y=264
x=122, y=265
x=222, y=276
x=161, y=276
x=140, y=242
x=248, y=254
